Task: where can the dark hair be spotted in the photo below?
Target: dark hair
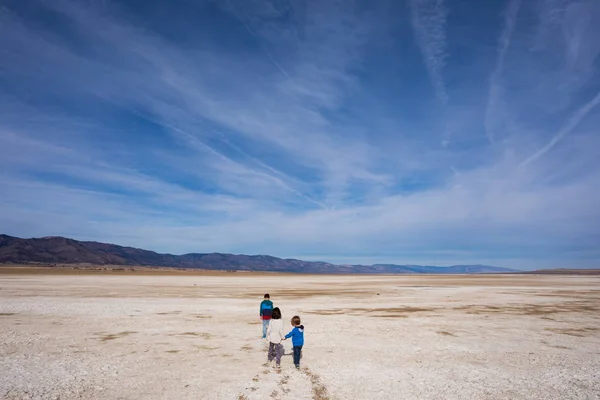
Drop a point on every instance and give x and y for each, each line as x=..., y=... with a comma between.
x=276, y=314
x=295, y=320
x=267, y=296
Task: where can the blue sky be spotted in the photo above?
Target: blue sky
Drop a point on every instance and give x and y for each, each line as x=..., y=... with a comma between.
x=420, y=131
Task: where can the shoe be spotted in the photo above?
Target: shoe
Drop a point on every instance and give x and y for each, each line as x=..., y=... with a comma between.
x=298, y=367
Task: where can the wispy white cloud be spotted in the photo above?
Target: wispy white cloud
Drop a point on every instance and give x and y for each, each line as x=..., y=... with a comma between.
x=551, y=16
x=580, y=30
x=429, y=23
x=572, y=122
x=270, y=56
x=495, y=113
x=265, y=112
x=491, y=201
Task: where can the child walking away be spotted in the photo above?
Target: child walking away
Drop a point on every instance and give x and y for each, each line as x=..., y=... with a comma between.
x=297, y=335
x=266, y=308
x=275, y=336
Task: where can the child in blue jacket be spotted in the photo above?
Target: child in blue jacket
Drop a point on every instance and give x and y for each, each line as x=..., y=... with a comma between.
x=297, y=335
x=266, y=309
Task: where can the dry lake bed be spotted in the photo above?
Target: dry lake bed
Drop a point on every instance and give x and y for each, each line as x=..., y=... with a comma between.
x=197, y=336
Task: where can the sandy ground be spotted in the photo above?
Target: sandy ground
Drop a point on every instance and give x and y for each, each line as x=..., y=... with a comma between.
x=102, y=336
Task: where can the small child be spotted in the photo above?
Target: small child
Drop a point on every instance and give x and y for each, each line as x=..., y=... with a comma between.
x=275, y=336
x=297, y=335
x=266, y=308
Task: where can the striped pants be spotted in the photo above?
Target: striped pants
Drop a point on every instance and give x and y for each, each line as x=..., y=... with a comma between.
x=275, y=352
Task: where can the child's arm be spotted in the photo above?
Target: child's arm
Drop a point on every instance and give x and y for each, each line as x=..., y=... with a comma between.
x=289, y=335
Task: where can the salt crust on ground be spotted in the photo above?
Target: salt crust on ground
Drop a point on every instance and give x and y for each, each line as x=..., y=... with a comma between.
x=367, y=337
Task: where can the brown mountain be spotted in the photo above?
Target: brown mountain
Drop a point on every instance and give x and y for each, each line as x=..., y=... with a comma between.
x=60, y=250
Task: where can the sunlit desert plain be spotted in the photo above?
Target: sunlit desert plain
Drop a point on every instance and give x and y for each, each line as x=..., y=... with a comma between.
x=178, y=335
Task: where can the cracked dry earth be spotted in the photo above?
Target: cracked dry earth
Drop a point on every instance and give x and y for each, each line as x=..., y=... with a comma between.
x=197, y=336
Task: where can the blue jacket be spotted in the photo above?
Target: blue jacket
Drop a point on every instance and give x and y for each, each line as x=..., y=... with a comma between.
x=266, y=309
x=297, y=335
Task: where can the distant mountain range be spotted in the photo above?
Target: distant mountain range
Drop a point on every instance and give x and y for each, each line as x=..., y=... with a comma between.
x=60, y=250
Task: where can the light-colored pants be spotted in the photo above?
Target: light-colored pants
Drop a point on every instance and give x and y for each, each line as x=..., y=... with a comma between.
x=265, y=326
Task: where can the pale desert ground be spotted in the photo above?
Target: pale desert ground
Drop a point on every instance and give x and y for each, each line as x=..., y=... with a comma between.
x=184, y=336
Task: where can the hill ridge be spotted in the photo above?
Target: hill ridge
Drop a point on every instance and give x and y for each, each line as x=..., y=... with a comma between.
x=62, y=250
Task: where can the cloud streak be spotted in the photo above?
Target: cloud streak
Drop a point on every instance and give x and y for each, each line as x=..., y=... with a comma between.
x=428, y=21
x=269, y=55
x=571, y=124
x=495, y=111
